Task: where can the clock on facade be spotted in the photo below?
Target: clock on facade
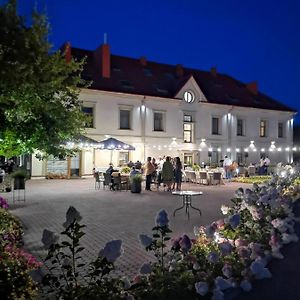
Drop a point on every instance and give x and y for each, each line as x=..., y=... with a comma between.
x=188, y=96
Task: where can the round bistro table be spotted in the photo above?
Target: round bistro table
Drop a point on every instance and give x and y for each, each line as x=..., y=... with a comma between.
x=187, y=201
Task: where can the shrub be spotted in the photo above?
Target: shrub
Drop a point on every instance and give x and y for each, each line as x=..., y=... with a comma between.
x=137, y=178
x=15, y=263
x=125, y=170
x=15, y=267
x=196, y=167
x=10, y=228
x=19, y=173
x=252, y=179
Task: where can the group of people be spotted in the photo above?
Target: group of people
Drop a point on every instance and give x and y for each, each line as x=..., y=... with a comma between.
x=264, y=163
x=166, y=170
x=230, y=167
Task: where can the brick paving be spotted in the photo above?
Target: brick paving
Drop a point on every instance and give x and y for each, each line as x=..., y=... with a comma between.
x=111, y=215
x=123, y=215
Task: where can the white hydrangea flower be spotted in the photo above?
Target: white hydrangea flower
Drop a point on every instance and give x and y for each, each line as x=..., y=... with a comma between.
x=201, y=288
x=49, y=238
x=112, y=250
x=246, y=285
x=145, y=240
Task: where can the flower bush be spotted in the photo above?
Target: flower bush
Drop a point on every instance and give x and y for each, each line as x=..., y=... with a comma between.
x=229, y=253
x=68, y=276
x=10, y=228
x=252, y=179
x=3, y=203
x=15, y=263
x=15, y=268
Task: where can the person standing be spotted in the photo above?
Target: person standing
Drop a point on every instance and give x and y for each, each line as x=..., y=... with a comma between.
x=267, y=163
x=167, y=173
x=261, y=168
x=178, y=173
x=226, y=164
x=149, y=169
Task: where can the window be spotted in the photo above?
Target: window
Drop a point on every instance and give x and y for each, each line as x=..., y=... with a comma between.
x=215, y=126
x=158, y=121
x=188, y=96
x=187, y=118
x=187, y=129
x=123, y=158
x=187, y=133
x=126, y=85
x=280, y=130
x=263, y=128
x=162, y=91
x=240, y=127
x=147, y=72
x=89, y=112
x=125, y=118
x=215, y=158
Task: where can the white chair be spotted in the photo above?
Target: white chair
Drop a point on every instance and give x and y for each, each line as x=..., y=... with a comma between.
x=251, y=170
x=203, y=177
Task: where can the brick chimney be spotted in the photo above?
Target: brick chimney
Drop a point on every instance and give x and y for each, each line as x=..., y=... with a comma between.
x=68, y=51
x=143, y=61
x=102, y=59
x=213, y=71
x=252, y=87
x=179, y=70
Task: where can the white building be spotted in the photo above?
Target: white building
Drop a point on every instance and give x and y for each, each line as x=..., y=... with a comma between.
x=170, y=110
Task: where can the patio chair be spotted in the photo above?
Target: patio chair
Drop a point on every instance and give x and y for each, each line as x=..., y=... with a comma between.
x=119, y=183
x=242, y=172
x=203, y=178
x=191, y=176
x=216, y=177
x=97, y=180
x=107, y=181
x=251, y=170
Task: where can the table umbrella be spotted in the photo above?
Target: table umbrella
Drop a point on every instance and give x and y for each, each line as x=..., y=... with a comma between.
x=113, y=144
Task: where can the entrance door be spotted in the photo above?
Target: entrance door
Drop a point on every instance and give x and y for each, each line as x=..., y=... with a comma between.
x=188, y=159
x=75, y=166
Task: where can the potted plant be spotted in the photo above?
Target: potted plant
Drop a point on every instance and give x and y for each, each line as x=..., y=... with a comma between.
x=125, y=170
x=196, y=167
x=136, y=183
x=19, y=177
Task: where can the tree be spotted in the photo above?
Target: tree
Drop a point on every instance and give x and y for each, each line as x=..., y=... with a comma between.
x=39, y=89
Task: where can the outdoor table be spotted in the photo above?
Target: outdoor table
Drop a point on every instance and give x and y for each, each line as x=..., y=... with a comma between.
x=186, y=201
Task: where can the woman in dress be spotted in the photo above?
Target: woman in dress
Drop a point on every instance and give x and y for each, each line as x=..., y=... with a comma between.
x=167, y=173
x=178, y=173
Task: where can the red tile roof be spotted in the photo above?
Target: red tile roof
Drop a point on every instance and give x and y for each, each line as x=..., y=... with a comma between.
x=128, y=75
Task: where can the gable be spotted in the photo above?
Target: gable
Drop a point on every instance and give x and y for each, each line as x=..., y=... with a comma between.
x=192, y=87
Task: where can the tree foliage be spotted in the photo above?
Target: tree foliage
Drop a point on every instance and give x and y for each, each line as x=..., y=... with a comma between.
x=39, y=89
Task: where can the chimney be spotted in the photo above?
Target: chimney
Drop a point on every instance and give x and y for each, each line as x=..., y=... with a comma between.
x=68, y=51
x=102, y=59
x=105, y=59
x=252, y=87
x=213, y=71
x=143, y=61
x=179, y=70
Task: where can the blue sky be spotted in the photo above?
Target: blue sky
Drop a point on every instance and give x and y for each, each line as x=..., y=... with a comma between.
x=249, y=40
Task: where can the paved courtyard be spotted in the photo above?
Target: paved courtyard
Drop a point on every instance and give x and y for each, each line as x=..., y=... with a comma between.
x=123, y=215
x=111, y=215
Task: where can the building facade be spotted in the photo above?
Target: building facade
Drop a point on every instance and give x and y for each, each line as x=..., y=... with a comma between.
x=200, y=116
